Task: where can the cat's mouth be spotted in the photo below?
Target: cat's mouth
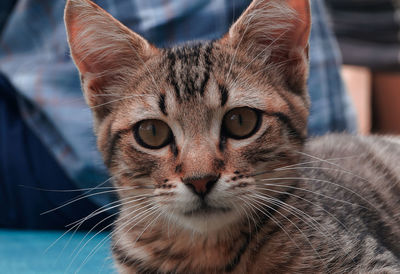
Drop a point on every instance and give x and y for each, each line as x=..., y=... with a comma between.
x=205, y=209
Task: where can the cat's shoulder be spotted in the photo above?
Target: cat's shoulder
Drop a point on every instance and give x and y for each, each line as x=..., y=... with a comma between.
x=355, y=151
x=348, y=142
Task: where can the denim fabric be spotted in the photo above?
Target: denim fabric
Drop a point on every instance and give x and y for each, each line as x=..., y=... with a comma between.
x=26, y=168
x=34, y=55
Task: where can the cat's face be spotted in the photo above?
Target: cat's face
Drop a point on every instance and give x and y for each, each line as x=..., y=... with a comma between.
x=197, y=127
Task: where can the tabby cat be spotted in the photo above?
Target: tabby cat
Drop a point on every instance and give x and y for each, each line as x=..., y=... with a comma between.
x=207, y=146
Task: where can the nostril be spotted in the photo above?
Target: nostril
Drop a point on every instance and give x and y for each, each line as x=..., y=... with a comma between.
x=211, y=182
x=201, y=185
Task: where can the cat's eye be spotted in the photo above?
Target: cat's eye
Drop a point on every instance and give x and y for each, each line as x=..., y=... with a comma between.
x=241, y=123
x=153, y=134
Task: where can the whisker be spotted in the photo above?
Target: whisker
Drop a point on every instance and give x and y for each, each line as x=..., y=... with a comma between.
x=141, y=216
x=85, y=193
x=117, y=100
x=285, y=217
x=243, y=209
x=106, y=208
x=275, y=220
x=108, y=95
x=299, y=165
x=81, y=198
x=78, y=189
x=316, y=193
x=334, y=164
x=321, y=168
x=69, y=230
x=302, y=212
x=77, y=224
x=125, y=209
x=297, y=212
x=323, y=181
x=140, y=235
x=80, y=222
x=263, y=173
x=317, y=161
x=99, y=244
x=146, y=227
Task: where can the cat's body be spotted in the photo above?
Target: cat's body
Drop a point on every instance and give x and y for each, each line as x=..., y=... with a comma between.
x=207, y=146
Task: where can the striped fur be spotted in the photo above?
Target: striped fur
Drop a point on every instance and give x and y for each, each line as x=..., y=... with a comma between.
x=280, y=203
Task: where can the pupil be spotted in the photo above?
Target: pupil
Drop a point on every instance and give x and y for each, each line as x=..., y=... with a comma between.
x=240, y=120
x=153, y=130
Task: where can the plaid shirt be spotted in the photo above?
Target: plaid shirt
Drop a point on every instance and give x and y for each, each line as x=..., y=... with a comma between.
x=34, y=55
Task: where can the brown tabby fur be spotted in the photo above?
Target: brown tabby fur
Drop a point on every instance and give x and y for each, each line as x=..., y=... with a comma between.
x=281, y=204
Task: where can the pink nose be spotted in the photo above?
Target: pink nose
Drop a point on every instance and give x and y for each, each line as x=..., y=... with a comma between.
x=201, y=185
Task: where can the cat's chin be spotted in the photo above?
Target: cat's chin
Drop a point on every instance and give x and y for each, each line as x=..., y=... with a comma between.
x=207, y=220
x=206, y=210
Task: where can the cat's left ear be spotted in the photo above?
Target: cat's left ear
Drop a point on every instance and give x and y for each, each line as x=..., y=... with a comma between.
x=277, y=32
x=105, y=52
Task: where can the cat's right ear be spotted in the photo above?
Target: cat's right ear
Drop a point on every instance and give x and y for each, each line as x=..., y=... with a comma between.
x=104, y=51
x=277, y=33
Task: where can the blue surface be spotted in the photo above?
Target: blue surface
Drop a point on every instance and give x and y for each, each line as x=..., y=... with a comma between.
x=26, y=252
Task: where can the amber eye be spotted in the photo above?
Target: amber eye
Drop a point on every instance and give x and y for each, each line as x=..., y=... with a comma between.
x=153, y=134
x=241, y=123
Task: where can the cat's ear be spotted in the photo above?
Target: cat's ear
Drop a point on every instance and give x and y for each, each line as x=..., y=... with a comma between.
x=104, y=50
x=276, y=31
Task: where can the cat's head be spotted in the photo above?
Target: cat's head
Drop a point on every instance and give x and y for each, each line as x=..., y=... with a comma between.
x=197, y=126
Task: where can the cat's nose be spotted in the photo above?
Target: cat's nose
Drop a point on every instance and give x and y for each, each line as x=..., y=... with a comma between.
x=201, y=185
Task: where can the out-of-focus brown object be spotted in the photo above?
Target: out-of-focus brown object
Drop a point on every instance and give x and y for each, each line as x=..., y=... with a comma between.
x=376, y=98
x=368, y=32
x=386, y=102
x=368, y=35
x=358, y=83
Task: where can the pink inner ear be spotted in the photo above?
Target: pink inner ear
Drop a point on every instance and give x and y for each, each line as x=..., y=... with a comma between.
x=73, y=31
x=75, y=27
x=302, y=31
x=100, y=43
x=103, y=49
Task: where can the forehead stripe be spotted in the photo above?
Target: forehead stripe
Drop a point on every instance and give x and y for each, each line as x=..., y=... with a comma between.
x=190, y=69
x=208, y=66
x=161, y=104
x=171, y=57
x=224, y=94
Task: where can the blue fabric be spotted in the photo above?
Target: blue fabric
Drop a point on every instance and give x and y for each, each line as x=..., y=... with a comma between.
x=33, y=252
x=34, y=55
x=331, y=109
x=26, y=164
x=6, y=7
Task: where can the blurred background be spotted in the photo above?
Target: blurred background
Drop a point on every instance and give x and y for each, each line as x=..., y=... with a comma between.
x=368, y=33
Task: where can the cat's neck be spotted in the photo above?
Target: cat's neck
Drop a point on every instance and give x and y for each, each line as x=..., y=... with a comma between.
x=153, y=244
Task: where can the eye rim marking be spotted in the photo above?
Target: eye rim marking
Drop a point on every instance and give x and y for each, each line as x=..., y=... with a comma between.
x=161, y=104
x=226, y=134
x=142, y=143
x=224, y=94
x=287, y=121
